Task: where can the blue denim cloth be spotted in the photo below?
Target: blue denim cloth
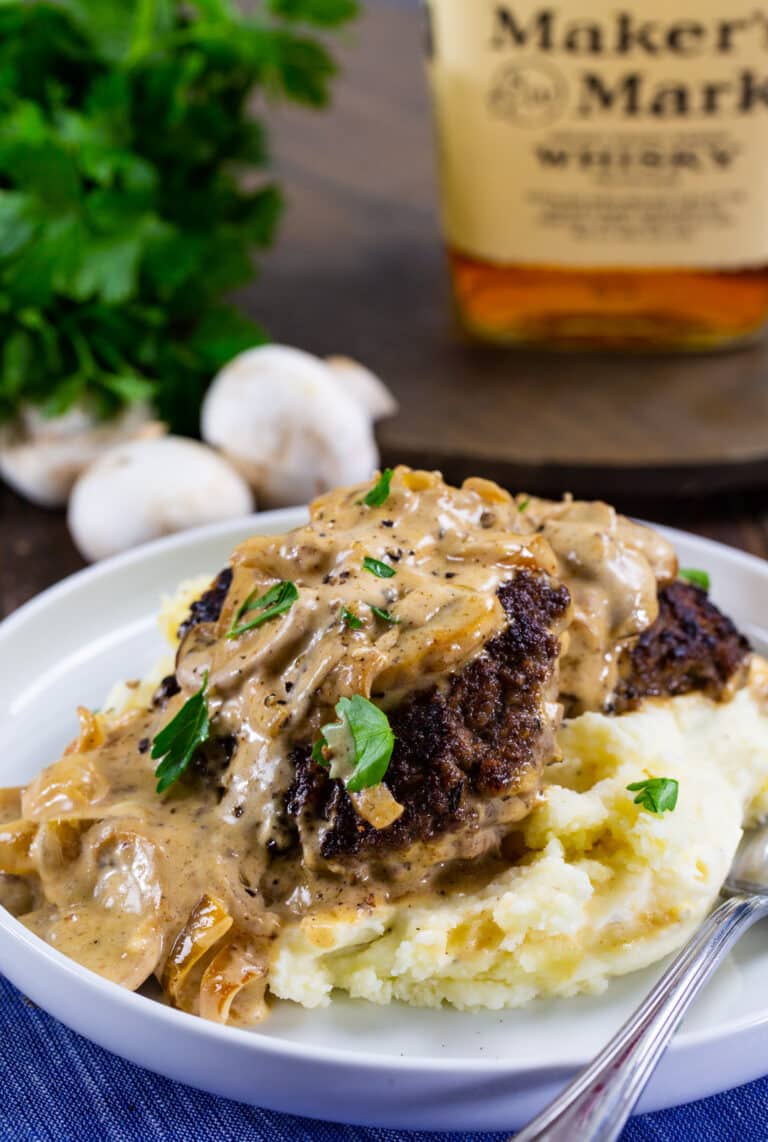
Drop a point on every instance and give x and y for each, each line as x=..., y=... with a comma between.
x=58, y=1087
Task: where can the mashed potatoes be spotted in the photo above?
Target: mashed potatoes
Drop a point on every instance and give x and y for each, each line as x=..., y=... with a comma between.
x=605, y=888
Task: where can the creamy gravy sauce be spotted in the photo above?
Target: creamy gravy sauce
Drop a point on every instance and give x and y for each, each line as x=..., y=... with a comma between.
x=132, y=882
x=613, y=569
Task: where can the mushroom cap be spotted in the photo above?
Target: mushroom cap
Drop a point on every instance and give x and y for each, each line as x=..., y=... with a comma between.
x=365, y=386
x=289, y=424
x=148, y=488
x=41, y=457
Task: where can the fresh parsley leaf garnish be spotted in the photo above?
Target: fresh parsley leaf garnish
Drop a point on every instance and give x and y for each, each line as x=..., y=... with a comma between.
x=377, y=568
x=379, y=493
x=657, y=794
x=385, y=616
x=524, y=504
x=373, y=738
x=351, y=620
x=367, y=739
x=176, y=742
x=274, y=602
x=693, y=575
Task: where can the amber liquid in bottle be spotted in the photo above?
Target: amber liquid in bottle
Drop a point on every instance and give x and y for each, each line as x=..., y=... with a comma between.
x=640, y=309
x=604, y=170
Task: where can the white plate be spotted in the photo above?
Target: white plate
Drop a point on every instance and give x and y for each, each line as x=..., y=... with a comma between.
x=353, y=1062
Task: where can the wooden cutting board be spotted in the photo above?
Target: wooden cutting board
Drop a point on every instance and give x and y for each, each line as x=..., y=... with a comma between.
x=359, y=269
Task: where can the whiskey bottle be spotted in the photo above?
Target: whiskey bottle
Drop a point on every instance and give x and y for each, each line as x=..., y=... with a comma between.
x=604, y=169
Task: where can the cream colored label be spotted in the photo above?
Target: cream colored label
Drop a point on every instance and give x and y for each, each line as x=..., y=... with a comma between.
x=603, y=134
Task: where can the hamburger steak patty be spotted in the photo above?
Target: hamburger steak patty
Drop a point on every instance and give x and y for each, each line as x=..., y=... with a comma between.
x=207, y=608
x=467, y=756
x=691, y=646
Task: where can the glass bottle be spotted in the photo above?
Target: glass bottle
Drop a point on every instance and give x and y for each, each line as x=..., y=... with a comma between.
x=604, y=169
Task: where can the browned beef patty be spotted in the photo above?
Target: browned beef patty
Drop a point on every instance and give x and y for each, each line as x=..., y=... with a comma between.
x=691, y=646
x=468, y=755
x=207, y=608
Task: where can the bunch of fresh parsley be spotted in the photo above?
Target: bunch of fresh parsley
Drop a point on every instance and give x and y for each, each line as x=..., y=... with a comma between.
x=125, y=221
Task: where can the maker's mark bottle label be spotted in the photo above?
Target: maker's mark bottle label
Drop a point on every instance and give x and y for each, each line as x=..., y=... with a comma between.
x=603, y=134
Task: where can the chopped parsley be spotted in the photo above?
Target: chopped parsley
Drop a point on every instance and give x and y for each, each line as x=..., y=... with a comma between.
x=385, y=616
x=524, y=504
x=657, y=794
x=693, y=575
x=351, y=620
x=379, y=493
x=377, y=568
x=177, y=742
x=357, y=748
x=274, y=602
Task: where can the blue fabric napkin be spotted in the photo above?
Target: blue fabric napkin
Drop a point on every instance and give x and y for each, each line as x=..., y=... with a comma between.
x=58, y=1087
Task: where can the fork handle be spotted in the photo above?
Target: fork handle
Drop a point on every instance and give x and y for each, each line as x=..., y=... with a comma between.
x=596, y=1105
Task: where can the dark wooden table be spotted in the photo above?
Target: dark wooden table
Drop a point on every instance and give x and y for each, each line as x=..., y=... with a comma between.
x=359, y=269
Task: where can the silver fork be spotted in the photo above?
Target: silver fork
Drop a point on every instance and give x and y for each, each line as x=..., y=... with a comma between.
x=596, y=1105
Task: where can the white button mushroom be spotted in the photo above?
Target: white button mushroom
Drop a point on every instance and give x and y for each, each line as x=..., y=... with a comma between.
x=41, y=457
x=364, y=386
x=148, y=488
x=289, y=424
